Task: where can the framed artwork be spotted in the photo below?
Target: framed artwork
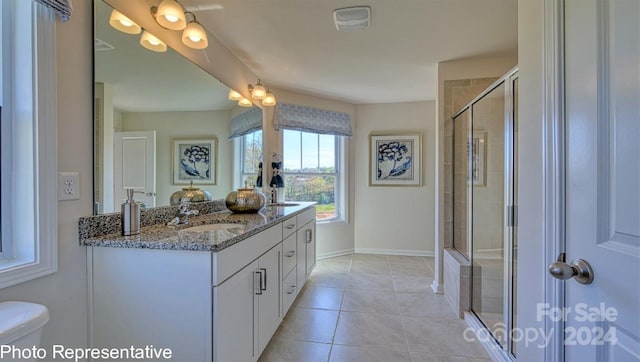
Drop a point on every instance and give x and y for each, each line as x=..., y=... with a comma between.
x=479, y=158
x=394, y=160
x=194, y=160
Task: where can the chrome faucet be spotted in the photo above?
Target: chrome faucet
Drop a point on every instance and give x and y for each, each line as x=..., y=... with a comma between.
x=184, y=213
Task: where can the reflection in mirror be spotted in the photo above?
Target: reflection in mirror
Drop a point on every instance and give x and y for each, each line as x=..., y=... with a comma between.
x=145, y=100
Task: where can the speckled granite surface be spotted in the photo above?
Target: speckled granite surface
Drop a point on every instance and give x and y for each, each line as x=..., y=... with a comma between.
x=161, y=236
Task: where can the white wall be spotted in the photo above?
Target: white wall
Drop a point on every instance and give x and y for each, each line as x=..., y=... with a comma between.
x=531, y=226
x=333, y=238
x=395, y=219
x=172, y=125
x=65, y=292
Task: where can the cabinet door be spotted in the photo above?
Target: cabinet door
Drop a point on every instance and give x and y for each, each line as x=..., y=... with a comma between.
x=269, y=299
x=234, y=313
x=306, y=249
x=310, y=240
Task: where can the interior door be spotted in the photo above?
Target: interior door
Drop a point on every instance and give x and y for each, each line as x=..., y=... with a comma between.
x=135, y=166
x=602, y=52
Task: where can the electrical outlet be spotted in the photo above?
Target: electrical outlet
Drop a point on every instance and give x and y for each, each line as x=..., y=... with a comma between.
x=68, y=186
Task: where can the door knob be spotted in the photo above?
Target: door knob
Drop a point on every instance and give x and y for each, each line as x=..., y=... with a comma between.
x=578, y=269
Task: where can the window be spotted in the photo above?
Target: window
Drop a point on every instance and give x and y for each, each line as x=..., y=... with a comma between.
x=250, y=157
x=27, y=142
x=314, y=172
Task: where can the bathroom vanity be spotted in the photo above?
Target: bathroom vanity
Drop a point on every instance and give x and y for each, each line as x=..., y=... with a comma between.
x=213, y=290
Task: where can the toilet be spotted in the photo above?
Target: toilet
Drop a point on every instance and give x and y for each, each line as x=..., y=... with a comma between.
x=21, y=325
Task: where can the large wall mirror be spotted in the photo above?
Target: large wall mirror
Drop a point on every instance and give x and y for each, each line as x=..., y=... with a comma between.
x=147, y=104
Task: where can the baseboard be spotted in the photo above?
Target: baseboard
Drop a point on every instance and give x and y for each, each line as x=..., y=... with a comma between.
x=482, y=335
x=394, y=252
x=437, y=287
x=333, y=254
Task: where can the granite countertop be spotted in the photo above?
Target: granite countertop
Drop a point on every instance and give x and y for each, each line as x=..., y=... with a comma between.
x=161, y=236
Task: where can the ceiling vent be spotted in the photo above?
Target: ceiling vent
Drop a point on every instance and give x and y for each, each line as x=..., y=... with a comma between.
x=100, y=45
x=352, y=18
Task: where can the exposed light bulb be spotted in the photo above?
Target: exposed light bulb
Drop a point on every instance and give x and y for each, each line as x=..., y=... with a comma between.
x=194, y=36
x=244, y=102
x=118, y=21
x=170, y=15
x=258, y=91
x=149, y=41
x=234, y=96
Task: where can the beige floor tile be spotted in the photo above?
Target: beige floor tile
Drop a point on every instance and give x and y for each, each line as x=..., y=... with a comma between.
x=347, y=257
x=426, y=357
x=370, y=257
x=370, y=281
x=370, y=301
x=370, y=267
x=406, y=259
x=425, y=304
x=281, y=350
x=320, y=298
x=416, y=270
x=409, y=284
x=311, y=325
x=370, y=330
x=333, y=280
x=332, y=267
x=441, y=337
x=357, y=354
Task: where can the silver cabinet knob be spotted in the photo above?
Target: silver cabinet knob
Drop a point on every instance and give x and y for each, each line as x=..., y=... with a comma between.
x=578, y=269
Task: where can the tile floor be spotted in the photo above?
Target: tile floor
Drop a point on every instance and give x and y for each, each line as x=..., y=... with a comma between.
x=365, y=307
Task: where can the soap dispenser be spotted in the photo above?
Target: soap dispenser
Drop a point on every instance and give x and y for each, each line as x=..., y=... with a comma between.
x=130, y=215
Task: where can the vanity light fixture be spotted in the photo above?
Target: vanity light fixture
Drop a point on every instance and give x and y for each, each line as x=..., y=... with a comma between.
x=258, y=91
x=152, y=43
x=269, y=99
x=234, y=96
x=194, y=36
x=169, y=14
x=120, y=22
x=245, y=102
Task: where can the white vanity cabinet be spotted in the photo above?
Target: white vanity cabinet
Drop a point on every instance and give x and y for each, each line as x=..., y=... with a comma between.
x=205, y=306
x=306, y=246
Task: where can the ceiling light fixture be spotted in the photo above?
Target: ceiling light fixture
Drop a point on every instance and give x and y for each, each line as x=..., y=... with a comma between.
x=152, y=43
x=234, y=96
x=194, y=36
x=258, y=91
x=244, y=102
x=269, y=99
x=169, y=15
x=120, y=22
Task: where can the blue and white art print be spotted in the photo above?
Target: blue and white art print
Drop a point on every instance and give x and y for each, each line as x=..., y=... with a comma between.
x=395, y=160
x=194, y=160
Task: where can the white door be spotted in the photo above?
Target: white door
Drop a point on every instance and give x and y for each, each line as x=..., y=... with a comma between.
x=602, y=55
x=135, y=166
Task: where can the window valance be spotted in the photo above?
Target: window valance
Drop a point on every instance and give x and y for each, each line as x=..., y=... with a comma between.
x=60, y=7
x=289, y=116
x=246, y=122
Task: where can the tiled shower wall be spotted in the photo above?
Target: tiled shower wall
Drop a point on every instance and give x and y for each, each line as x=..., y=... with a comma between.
x=457, y=93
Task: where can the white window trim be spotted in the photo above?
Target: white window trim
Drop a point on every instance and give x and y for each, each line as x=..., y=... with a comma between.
x=342, y=184
x=44, y=260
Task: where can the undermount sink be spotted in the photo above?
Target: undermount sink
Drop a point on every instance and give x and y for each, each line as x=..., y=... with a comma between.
x=213, y=227
x=283, y=204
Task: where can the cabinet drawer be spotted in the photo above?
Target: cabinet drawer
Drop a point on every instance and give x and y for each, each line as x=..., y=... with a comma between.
x=306, y=216
x=289, y=227
x=289, y=291
x=288, y=255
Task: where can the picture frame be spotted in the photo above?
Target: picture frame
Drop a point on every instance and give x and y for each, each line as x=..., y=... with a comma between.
x=395, y=159
x=195, y=160
x=478, y=158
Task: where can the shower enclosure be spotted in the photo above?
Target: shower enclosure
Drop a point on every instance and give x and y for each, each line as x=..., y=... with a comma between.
x=484, y=203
